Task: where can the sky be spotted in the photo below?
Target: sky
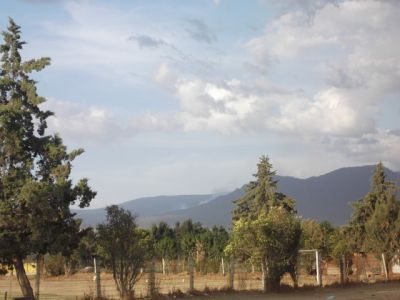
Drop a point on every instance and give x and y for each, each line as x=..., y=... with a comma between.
x=183, y=97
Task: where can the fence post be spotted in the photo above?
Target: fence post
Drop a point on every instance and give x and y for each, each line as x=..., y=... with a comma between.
x=384, y=266
x=222, y=266
x=318, y=268
x=191, y=273
x=231, y=272
x=97, y=278
x=152, y=279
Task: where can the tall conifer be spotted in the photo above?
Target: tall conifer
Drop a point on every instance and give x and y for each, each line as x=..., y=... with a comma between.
x=35, y=189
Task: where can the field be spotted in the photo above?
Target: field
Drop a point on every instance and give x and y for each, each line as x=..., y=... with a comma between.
x=76, y=286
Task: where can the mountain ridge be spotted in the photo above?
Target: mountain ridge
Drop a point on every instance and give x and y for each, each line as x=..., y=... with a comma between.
x=323, y=197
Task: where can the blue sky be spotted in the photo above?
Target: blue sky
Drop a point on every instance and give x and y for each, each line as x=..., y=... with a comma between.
x=179, y=97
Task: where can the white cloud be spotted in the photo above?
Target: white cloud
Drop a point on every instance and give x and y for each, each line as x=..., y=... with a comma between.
x=234, y=108
x=95, y=124
x=83, y=123
x=349, y=51
x=329, y=113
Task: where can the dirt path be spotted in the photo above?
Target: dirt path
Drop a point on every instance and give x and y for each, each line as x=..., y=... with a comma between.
x=378, y=291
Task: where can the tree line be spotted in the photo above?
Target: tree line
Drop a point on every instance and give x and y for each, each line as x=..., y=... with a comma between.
x=36, y=192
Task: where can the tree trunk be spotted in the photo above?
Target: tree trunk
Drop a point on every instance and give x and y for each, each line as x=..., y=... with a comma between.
x=341, y=268
x=273, y=283
x=37, y=277
x=67, y=266
x=295, y=278
x=23, y=280
x=264, y=277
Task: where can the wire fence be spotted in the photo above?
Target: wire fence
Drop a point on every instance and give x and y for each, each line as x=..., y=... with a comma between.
x=184, y=276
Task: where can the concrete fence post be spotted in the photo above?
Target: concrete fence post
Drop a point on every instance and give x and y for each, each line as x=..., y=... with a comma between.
x=97, y=278
x=191, y=273
x=318, y=268
x=384, y=267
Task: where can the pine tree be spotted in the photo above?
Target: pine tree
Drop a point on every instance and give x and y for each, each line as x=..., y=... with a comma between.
x=35, y=189
x=265, y=228
x=375, y=223
x=261, y=194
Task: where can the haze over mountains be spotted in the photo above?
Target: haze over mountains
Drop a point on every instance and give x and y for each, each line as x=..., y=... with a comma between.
x=324, y=197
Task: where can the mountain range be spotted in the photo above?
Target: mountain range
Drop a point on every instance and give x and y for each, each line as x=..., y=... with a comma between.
x=323, y=198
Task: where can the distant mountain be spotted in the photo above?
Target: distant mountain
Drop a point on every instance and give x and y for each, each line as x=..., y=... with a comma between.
x=146, y=207
x=324, y=197
x=328, y=197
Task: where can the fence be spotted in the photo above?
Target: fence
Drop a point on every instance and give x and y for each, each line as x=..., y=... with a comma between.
x=185, y=276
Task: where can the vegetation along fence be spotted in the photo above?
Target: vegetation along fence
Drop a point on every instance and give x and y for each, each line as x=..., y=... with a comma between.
x=182, y=276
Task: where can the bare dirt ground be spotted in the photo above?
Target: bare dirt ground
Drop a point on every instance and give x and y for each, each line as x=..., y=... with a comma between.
x=76, y=286
x=376, y=291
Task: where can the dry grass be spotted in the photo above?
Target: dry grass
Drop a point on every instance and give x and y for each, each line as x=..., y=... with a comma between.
x=169, y=286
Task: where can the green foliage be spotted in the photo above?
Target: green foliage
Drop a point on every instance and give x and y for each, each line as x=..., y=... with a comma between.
x=188, y=234
x=36, y=191
x=265, y=228
x=261, y=194
x=54, y=265
x=342, y=242
x=123, y=248
x=316, y=236
x=213, y=242
x=272, y=239
x=87, y=249
x=383, y=226
x=375, y=223
x=165, y=245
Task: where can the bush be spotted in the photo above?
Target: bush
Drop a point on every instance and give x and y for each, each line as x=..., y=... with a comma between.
x=54, y=265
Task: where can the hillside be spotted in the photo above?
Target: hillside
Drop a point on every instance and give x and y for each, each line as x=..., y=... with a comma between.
x=324, y=197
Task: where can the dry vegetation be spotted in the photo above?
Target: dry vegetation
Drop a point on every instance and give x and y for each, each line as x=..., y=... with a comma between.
x=247, y=286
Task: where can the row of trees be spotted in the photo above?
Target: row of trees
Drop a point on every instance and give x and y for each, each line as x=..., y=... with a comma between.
x=266, y=231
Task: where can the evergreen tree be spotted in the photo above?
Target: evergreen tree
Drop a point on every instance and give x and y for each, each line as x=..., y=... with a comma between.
x=261, y=194
x=265, y=228
x=375, y=222
x=35, y=189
